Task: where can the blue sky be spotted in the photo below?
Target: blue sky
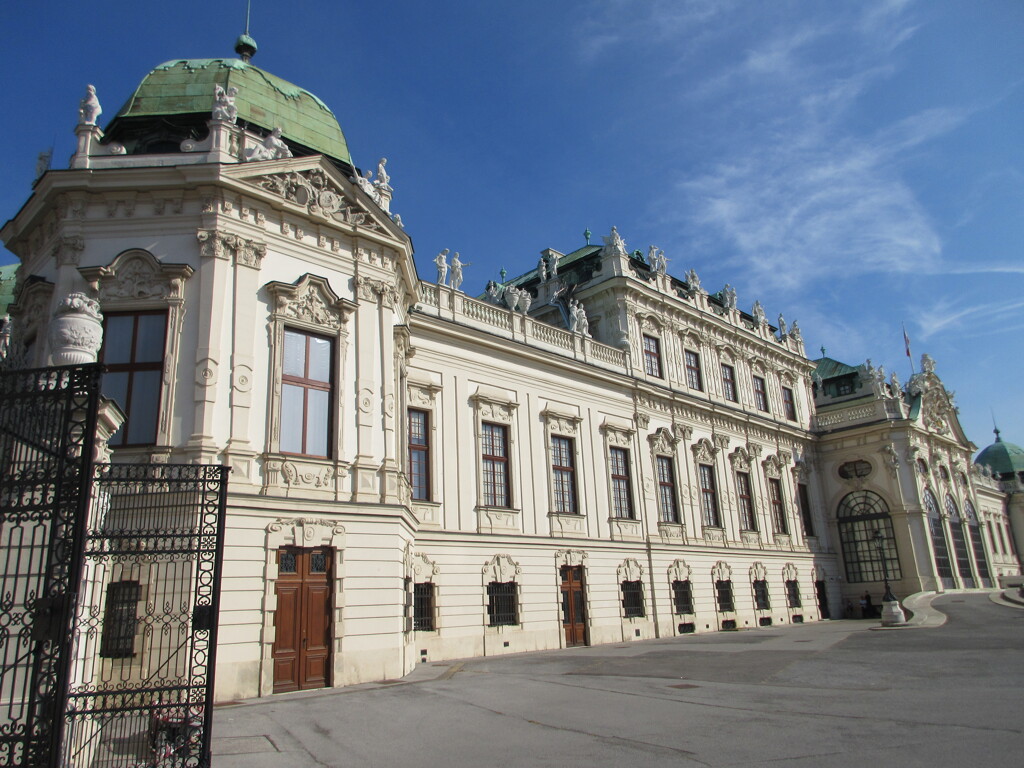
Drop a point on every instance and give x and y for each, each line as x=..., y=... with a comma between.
x=854, y=165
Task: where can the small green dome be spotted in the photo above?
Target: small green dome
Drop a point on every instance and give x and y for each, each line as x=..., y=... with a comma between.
x=185, y=87
x=1001, y=457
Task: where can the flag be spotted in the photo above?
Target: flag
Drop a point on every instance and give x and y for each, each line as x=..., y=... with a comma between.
x=906, y=341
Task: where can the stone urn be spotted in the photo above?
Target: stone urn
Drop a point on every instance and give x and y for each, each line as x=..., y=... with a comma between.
x=76, y=331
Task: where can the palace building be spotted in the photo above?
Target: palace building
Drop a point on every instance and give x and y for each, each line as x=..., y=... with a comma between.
x=595, y=451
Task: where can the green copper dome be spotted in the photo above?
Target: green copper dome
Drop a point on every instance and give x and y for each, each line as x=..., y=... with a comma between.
x=185, y=87
x=1001, y=457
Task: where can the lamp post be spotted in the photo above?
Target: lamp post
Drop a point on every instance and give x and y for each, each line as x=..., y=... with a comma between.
x=879, y=539
x=892, y=613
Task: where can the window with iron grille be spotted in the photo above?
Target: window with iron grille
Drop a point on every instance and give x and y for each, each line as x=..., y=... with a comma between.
x=793, y=593
x=494, y=450
x=133, y=353
x=306, y=394
x=788, y=403
x=778, y=506
x=563, y=474
x=502, y=604
x=761, y=599
x=622, y=492
x=682, y=596
x=633, y=599
x=423, y=606
x=419, y=454
x=652, y=356
x=694, y=379
x=709, y=496
x=748, y=521
x=668, y=508
x=760, y=394
x=120, y=620
x=804, y=497
x=729, y=382
x=723, y=594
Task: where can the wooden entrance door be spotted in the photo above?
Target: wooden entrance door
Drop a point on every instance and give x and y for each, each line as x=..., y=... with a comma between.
x=302, y=644
x=574, y=614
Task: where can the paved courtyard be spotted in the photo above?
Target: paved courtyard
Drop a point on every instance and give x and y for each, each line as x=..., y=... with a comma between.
x=823, y=694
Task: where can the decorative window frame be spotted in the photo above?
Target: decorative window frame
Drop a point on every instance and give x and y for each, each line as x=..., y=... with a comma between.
x=302, y=532
x=496, y=406
x=137, y=281
x=631, y=570
x=502, y=569
x=791, y=573
x=420, y=568
x=664, y=442
x=705, y=452
x=309, y=305
x=651, y=325
x=31, y=323
x=620, y=434
x=565, y=422
x=722, y=571
x=680, y=570
x=758, y=572
x=421, y=395
x=728, y=356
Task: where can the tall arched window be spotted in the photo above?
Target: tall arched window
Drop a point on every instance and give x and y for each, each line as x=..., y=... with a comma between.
x=861, y=514
x=974, y=531
x=943, y=568
x=963, y=557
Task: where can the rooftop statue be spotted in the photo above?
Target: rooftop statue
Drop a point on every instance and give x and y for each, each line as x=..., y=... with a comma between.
x=89, y=108
x=657, y=260
x=512, y=297
x=442, y=266
x=794, y=331
x=782, y=325
x=272, y=148
x=457, y=266
x=542, y=270
x=927, y=363
x=758, y=313
x=382, y=175
x=614, y=242
x=729, y=297
x=693, y=281
x=224, y=104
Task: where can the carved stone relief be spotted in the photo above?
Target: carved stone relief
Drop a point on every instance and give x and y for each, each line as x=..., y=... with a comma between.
x=570, y=557
x=629, y=570
x=758, y=572
x=501, y=568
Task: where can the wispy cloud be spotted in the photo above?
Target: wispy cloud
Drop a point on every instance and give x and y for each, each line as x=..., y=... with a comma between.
x=946, y=317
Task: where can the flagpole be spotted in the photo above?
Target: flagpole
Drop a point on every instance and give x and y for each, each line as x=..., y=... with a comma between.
x=906, y=344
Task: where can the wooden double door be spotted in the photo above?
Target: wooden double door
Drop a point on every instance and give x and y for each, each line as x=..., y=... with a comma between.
x=302, y=623
x=574, y=611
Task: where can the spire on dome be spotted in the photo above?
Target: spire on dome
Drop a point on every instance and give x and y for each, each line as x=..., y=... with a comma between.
x=245, y=46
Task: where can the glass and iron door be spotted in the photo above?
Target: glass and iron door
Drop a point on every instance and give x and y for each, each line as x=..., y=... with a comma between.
x=302, y=623
x=574, y=617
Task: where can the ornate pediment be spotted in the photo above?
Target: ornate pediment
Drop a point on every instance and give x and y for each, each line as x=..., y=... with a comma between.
x=309, y=300
x=630, y=570
x=137, y=275
x=740, y=459
x=758, y=572
x=679, y=571
x=721, y=571
x=501, y=568
x=663, y=441
x=320, y=195
x=703, y=451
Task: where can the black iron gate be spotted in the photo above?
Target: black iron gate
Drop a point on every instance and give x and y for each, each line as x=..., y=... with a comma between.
x=109, y=589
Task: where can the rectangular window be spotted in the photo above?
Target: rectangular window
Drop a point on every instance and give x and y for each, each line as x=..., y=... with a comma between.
x=494, y=450
x=423, y=606
x=652, y=356
x=633, y=599
x=419, y=454
x=563, y=474
x=804, y=497
x=723, y=593
x=682, y=596
x=133, y=353
x=748, y=521
x=694, y=379
x=668, y=508
x=761, y=600
x=709, y=496
x=788, y=403
x=778, y=506
x=760, y=394
x=622, y=492
x=729, y=382
x=502, y=604
x=793, y=593
x=306, y=394
x=119, y=620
